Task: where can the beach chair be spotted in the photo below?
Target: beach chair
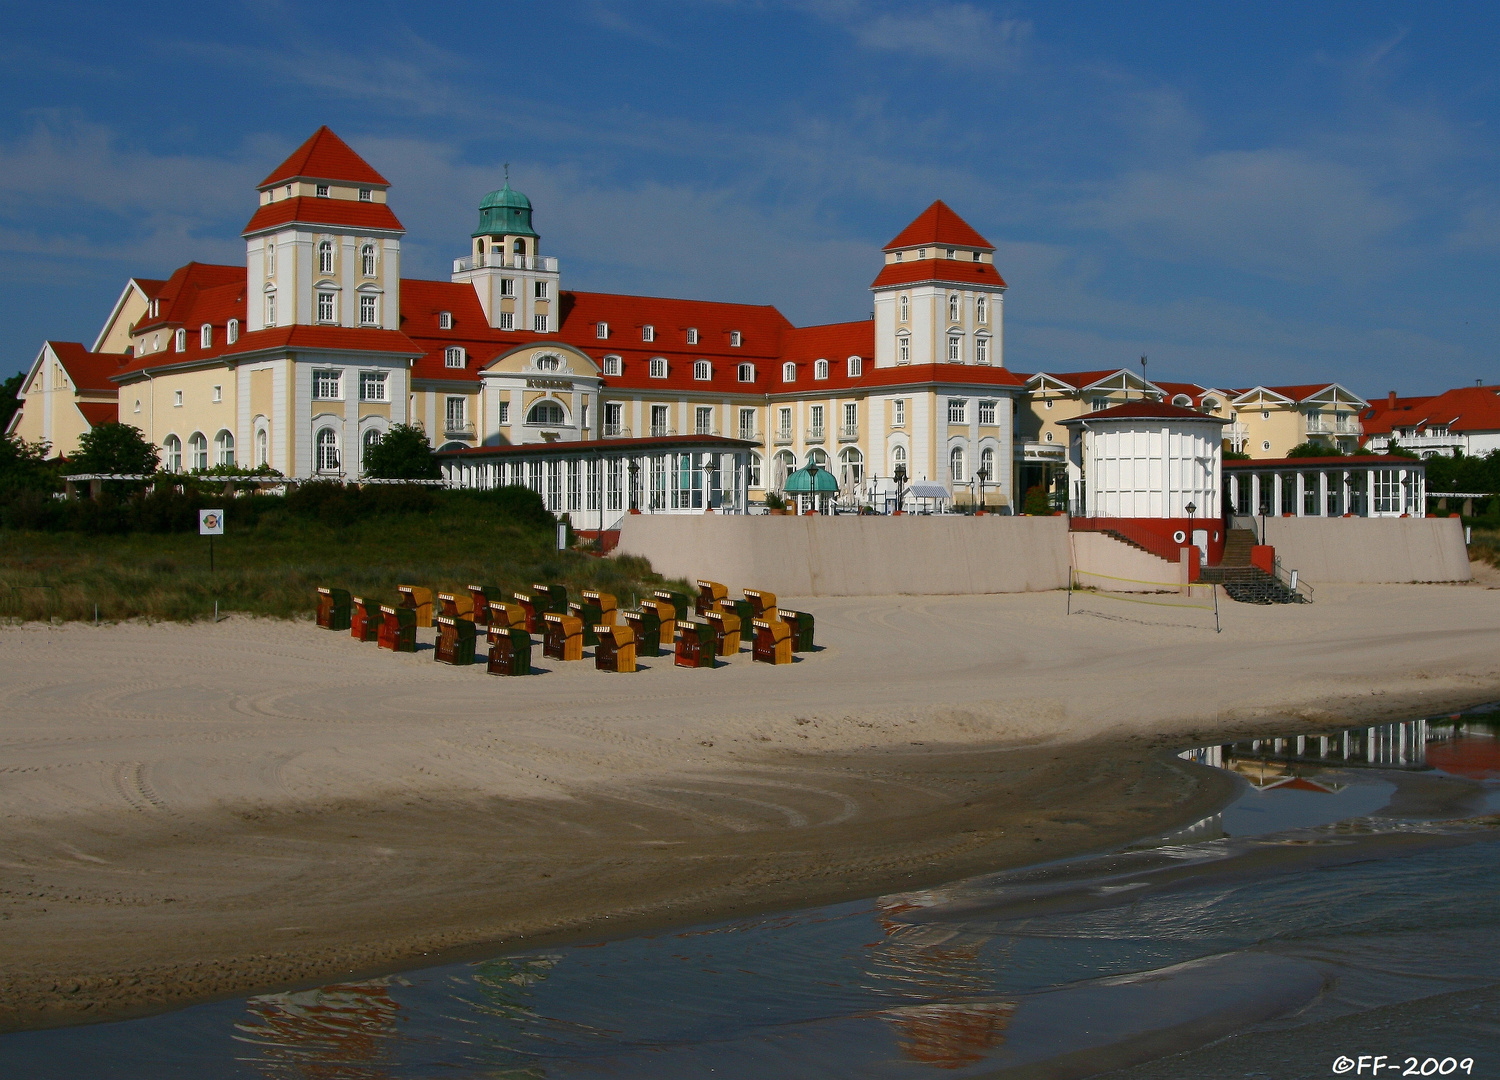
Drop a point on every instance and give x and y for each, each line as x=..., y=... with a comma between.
x=418, y=600
x=505, y=616
x=589, y=615
x=456, y=605
x=742, y=608
x=665, y=611
x=726, y=626
x=608, y=607
x=762, y=604
x=333, y=608
x=646, y=626
x=562, y=637
x=364, y=620
x=510, y=651
x=773, y=641
x=679, y=602
x=532, y=608
x=480, y=597
x=616, y=648
x=709, y=595
x=398, y=629
x=455, y=641
x=556, y=598
x=801, y=623
x=695, y=644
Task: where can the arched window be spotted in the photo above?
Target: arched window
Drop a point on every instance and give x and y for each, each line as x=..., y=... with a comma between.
x=856, y=366
x=788, y=372
x=328, y=450
x=271, y=259
x=953, y=308
x=371, y=440
x=232, y=332
x=752, y=471
x=367, y=260
x=206, y=336
x=746, y=372
x=820, y=369
x=851, y=468
x=703, y=371
x=956, y=465
x=180, y=340
x=987, y=464
x=520, y=247
x=785, y=463
x=270, y=309
x=171, y=454
x=262, y=447
x=1210, y=404
x=546, y=413
x=905, y=308
x=898, y=458
x=982, y=309
x=658, y=368
x=325, y=256
x=1182, y=400
x=224, y=448
x=818, y=458
x=548, y=363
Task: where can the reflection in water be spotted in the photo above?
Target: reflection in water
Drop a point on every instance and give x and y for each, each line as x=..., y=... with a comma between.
x=950, y=1036
x=336, y=1032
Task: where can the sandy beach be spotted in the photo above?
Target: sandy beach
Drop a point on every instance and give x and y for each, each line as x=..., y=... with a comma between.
x=198, y=810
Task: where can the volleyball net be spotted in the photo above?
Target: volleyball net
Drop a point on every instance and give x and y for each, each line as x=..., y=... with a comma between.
x=1090, y=592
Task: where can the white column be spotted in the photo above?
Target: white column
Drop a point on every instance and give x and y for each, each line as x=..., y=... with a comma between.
x=1322, y=493
x=1301, y=492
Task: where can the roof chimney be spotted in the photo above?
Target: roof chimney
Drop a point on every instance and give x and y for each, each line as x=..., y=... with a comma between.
x=1478, y=382
x=1391, y=400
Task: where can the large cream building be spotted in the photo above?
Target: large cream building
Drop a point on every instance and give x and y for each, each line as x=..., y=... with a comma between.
x=317, y=345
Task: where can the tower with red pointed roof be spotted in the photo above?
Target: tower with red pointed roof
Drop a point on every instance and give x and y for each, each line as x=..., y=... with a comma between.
x=324, y=248
x=938, y=297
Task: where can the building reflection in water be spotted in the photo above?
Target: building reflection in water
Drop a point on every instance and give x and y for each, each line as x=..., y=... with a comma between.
x=338, y=1032
x=929, y=960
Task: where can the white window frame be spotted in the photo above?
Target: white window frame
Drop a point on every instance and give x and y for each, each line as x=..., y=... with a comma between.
x=745, y=373
x=665, y=424
x=327, y=450
x=658, y=367
x=905, y=308
x=455, y=419
x=898, y=414
x=958, y=465
x=367, y=260
x=218, y=393
x=453, y=357
x=328, y=307
x=224, y=448
x=612, y=365
x=981, y=350
x=271, y=308
x=692, y=335
x=735, y=338
x=366, y=195
x=987, y=413
x=955, y=349
x=507, y=286
x=784, y=422
x=322, y=190
x=954, y=308
x=981, y=309
x=325, y=256
x=958, y=410
x=369, y=309
x=539, y=290
x=179, y=339
x=232, y=331
x=648, y=332
x=903, y=348
x=505, y=412
x=820, y=369
x=601, y=331
x=507, y=320
x=176, y=399
x=703, y=420
x=747, y=424
x=372, y=386
x=270, y=267
x=789, y=372
x=206, y=336
x=327, y=385
x=445, y=320
x=539, y=323
x=856, y=366
x=703, y=371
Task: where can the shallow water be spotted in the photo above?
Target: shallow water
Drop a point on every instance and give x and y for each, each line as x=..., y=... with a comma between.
x=1299, y=924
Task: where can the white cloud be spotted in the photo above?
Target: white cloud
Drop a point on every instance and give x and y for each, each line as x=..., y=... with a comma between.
x=962, y=34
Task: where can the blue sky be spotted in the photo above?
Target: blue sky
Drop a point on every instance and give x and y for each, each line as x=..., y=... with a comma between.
x=1245, y=193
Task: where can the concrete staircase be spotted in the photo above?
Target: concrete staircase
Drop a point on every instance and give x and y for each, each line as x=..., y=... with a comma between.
x=1243, y=582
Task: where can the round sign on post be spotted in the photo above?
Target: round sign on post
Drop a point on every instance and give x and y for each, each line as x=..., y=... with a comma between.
x=210, y=523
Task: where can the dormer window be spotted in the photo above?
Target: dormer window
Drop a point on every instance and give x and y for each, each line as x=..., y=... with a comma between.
x=692, y=335
x=365, y=194
x=180, y=340
x=976, y=257
x=921, y=253
x=601, y=331
x=898, y=255
x=453, y=356
x=445, y=320
x=746, y=372
x=611, y=365
x=820, y=369
x=156, y=309
x=856, y=366
x=703, y=371
x=952, y=254
x=289, y=191
x=322, y=191
x=658, y=368
x=734, y=339
x=789, y=372
x=648, y=332
x=232, y=331
x=206, y=336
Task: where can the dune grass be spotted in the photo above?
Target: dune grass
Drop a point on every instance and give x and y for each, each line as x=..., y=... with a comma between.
x=275, y=568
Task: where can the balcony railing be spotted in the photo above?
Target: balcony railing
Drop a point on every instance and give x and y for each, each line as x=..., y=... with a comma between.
x=1323, y=426
x=1238, y=435
x=458, y=428
x=705, y=429
x=814, y=434
x=1416, y=442
x=749, y=434
x=849, y=433
x=660, y=430
x=783, y=437
x=500, y=260
x=616, y=431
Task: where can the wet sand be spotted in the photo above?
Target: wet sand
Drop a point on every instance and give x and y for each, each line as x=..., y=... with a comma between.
x=196, y=811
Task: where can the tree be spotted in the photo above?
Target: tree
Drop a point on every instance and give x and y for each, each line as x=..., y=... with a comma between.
x=24, y=467
x=1315, y=449
x=10, y=401
x=402, y=453
x=114, y=448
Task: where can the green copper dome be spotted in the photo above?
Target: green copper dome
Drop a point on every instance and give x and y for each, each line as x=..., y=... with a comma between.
x=505, y=213
x=809, y=480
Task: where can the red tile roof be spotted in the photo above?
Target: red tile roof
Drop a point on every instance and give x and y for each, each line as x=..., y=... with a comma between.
x=89, y=371
x=940, y=226
x=957, y=271
x=1145, y=410
x=325, y=156
x=100, y=412
x=348, y=213
x=1081, y=379
x=179, y=292
x=1468, y=408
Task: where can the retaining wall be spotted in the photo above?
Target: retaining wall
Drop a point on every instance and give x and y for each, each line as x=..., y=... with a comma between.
x=855, y=556
x=1122, y=568
x=1371, y=550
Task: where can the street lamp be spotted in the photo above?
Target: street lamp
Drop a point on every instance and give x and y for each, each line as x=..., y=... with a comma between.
x=900, y=478
x=708, y=471
x=983, y=475
x=635, y=468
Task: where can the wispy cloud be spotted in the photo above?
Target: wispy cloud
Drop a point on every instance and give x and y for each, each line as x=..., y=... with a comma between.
x=962, y=34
